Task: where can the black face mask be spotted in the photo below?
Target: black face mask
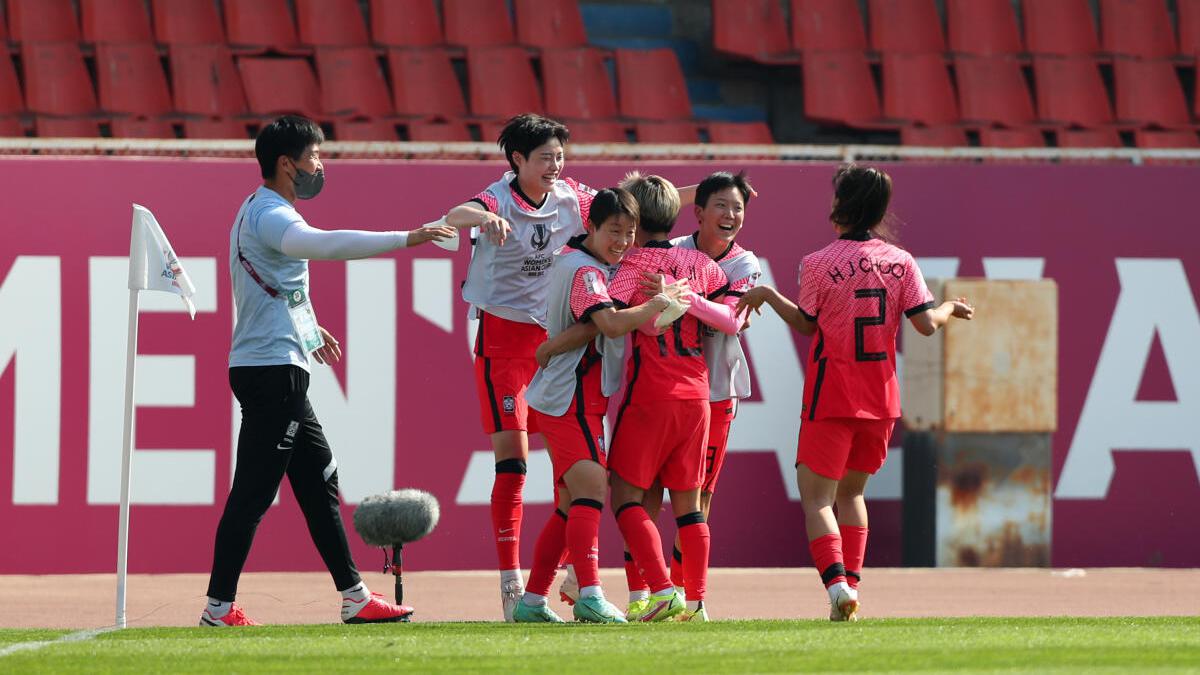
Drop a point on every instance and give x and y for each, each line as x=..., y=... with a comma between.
x=308, y=185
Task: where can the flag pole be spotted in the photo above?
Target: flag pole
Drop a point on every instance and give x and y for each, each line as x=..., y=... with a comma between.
x=126, y=458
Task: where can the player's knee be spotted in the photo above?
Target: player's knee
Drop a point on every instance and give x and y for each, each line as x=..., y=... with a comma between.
x=511, y=466
x=693, y=518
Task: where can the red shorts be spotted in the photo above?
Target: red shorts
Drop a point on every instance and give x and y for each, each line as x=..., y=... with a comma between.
x=571, y=438
x=504, y=366
x=720, y=417
x=832, y=446
x=663, y=440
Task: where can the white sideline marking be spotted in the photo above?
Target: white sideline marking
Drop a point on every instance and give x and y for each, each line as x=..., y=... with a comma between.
x=77, y=636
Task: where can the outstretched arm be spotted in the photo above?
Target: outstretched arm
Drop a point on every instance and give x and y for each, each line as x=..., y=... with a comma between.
x=303, y=241
x=930, y=320
x=786, y=309
x=472, y=214
x=722, y=316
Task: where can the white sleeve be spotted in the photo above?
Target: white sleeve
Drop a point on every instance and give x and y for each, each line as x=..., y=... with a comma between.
x=301, y=240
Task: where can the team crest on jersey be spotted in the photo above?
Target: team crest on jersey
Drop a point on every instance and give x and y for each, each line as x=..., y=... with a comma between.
x=595, y=285
x=541, y=236
x=510, y=405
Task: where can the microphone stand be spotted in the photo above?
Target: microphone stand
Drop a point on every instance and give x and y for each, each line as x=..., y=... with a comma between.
x=397, y=568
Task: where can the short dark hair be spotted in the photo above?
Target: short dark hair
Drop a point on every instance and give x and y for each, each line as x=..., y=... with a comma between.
x=863, y=195
x=611, y=202
x=658, y=201
x=528, y=131
x=288, y=135
x=722, y=180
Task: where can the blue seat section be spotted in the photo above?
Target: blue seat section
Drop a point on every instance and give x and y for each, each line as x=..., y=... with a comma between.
x=625, y=20
x=728, y=113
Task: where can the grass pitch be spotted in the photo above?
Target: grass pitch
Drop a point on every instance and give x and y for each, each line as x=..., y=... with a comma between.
x=1041, y=645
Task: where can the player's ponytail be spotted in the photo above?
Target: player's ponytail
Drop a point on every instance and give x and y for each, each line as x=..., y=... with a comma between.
x=861, y=199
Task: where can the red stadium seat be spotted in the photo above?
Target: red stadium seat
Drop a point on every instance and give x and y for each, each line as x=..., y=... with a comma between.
x=549, y=23
x=666, y=132
x=992, y=89
x=65, y=127
x=838, y=88
x=276, y=86
x=741, y=133
x=940, y=137
x=1011, y=138
x=10, y=127
x=131, y=79
x=364, y=130
x=983, y=27
x=1069, y=91
x=141, y=127
x=1088, y=138
x=909, y=26
x=1187, y=15
x=439, y=132
x=477, y=23
x=754, y=29
x=11, y=100
x=916, y=88
x=56, y=80
x=405, y=23
x=1136, y=28
x=577, y=84
x=1064, y=27
x=205, y=81
x=501, y=82
x=42, y=21
x=651, y=86
x=118, y=21
x=214, y=128
x=259, y=25
x=827, y=25
x=598, y=132
x=352, y=82
x=1166, y=139
x=1149, y=92
x=331, y=23
x=423, y=83
x=187, y=22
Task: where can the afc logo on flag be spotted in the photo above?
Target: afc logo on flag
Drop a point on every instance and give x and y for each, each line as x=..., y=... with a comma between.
x=510, y=405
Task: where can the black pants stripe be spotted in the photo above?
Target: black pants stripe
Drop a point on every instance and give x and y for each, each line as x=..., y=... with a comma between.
x=280, y=436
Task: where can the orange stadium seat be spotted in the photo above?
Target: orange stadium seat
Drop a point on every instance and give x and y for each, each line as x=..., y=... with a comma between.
x=423, y=83
x=118, y=21
x=982, y=27
x=141, y=127
x=477, y=23
x=1136, y=28
x=1070, y=91
x=56, y=79
x=66, y=127
x=1149, y=92
x=1011, y=138
x=214, y=128
x=577, y=84
x=742, y=133
x=650, y=85
x=331, y=23
x=838, y=88
x=131, y=79
x=948, y=137
x=276, y=86
x=1166, y=139
x=1089, y=138
x=352, y=82
x=205, y=81
x=1064, y=27
x=405, y=23
x=549, y=23
x=42, y=21
x=754, y=29
x=11, y=100
x=1187, y=15
x=592, y=131
x=429, y=131
x=905, y=26
x=364, y=130
x=666, y=132
x=187, y=22
x=827, y=25
x=501, y=82
x=916, y=88
x=992, y=89
x=260, y=25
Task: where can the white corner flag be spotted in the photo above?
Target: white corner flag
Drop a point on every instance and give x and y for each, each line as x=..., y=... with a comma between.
x=153, y=266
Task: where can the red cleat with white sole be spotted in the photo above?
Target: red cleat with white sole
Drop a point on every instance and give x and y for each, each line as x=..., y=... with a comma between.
x=374, y=610
x=235, y=617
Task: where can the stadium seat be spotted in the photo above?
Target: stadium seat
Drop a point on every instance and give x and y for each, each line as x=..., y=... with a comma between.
x=742, y=133
x=261, y=25
x=1149, y=93
x=214, y=128
x=754, y=29
x=827, y=25
x=42, y=21
x=1166, y=139
x=440, y=132
x=187, y=22
x=115, y=21
x=423, y=83
x=916, y=88
x=131, y=79
x=666, y=132
x=838, y=88
x=330, y=23
x=549, y=23
x=477, y=23
x=277, y=86
x=650, y=85
x=501, y=82
x=1063, y=27
x=942, y=137
x=405, y=23
x=577, y=84
x=352, y=82
x=1088, y=138
x=56, y=79
x=992, y=89
x=1070, y=91
x=1011, y=138
x=10, y=127
x=364, y=130
x=910, y=26
x=1136, y=28
x=141, y=127
x=982, y=27
x=1187, y=15
x=597, y=132
x=65, y=127
x=11, y=100
x=205, y=81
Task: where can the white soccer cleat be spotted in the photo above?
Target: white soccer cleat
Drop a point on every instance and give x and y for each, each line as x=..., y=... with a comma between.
x=568, y=592
x=510, y=594
x=843, y=603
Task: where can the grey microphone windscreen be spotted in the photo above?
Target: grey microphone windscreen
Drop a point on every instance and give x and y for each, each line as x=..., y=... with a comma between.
x=396, y=517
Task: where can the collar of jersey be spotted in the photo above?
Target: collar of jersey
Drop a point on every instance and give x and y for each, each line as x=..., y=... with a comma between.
x=858, y=236
x=658, y=243
x=523, y=199
x=696, y=243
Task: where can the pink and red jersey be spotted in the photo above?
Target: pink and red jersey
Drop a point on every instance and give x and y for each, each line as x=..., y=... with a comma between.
x=669, y=366
x=857, y=290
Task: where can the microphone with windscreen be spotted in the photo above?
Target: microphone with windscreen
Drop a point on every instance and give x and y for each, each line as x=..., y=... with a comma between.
x=393, y=519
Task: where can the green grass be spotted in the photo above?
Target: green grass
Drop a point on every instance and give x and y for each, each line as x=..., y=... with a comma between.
x=1117, y=645
x=10, y=636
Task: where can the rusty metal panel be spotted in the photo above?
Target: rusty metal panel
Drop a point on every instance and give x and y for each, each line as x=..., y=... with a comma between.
x=921, y=375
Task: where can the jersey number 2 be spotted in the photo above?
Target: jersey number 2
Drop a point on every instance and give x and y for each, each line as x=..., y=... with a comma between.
x=862, y=322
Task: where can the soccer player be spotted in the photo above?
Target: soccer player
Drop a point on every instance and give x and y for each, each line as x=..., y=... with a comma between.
x=852, y=295
x=525, y=216
x=569, y=397
x=276, y=330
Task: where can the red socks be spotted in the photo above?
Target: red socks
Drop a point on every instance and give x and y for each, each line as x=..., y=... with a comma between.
x=644, y=543
x=633, y=578
x=677, y=568
x=507, y=510
x=546, y=554
x=694, y=540
x=583, y=533
x=854, y=549
x=827, y=556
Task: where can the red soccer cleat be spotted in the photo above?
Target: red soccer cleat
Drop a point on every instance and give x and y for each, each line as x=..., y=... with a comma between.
x=235, y=617
x=374, y=610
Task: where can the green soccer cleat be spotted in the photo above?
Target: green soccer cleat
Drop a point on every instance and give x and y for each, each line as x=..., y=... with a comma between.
x=596, y=609
x=700, y=615
x=664, y=607
x=524, y=613
x=637, y=609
